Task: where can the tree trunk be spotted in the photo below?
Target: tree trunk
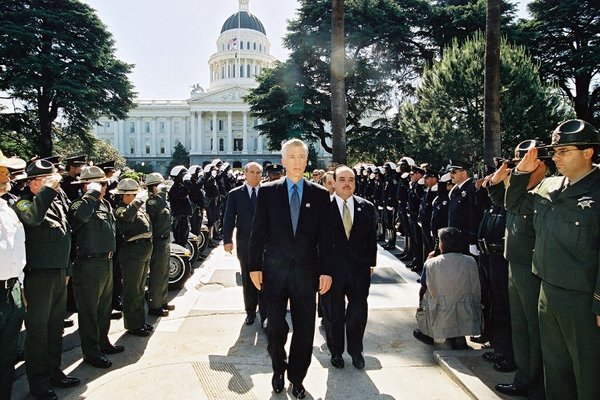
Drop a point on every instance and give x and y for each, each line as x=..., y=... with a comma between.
x=46, y=115
x=491, y=114
x=338, y=89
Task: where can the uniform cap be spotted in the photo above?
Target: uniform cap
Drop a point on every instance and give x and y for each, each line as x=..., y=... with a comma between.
x=11, y=162
x=76, y=161
x=457, y=164
x=40, y=168
x=407, y=160
x=107, y=166
x=574, y=132
x=275, y=168
x=55, y=160
x=389, y=165
x=126, y=186
x=194, y=169
x=525, y=145
x=430, y=172
x=445, y=177
x=93, y=173
x=178, y=170
x=417, y=170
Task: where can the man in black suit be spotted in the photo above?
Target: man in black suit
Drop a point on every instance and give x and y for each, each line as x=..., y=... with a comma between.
x=462, y=211
x=287, y=262
x=353, y=253
x=239, y=213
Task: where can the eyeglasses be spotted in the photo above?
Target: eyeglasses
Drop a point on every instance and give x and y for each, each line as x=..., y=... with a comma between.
x=562, y=152
x=454, y=171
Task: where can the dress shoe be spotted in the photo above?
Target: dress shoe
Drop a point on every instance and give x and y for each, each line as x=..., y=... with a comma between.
x=511, y=389
x=112, y=349
x=422, y=337
x=250, y=319
x=417, y=269
x=47, y=395
x=168, y=307
x=67, y=323
x=66, y=382
x=98, y=361
x=505, y=366
x=405, y=256
x=481, y=339
x=140, y=332
x=491, y=356
x=298, y=391
x=390, y=246
x=158, y=312
x=277, y=383
x=337, y=361
x=148, y=327
x=116, y=315
x=380, y=238
x=358, y=361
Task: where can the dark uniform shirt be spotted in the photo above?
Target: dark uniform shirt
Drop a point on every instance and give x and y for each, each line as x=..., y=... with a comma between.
x=132, y=222
x=94, y=224
x=159, y=212
x=73, y=192
x=179, y=198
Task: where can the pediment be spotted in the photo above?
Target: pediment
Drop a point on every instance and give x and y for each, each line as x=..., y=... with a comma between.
x=232, y=95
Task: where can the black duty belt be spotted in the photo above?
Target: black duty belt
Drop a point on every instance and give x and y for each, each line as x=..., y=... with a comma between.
x=101, y=256
x=141, y=240
x=8, y=284
x=490, y=249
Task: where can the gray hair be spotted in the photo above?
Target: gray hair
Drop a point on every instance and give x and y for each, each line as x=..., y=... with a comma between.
x=293, y=143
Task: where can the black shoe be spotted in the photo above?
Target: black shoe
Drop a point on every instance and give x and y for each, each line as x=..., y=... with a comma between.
x=277, y=383
x=47, y=395
x=168, y=307
x=158, y=312
x=479, y=339
x=511, y=389
x=116, y=315
x=337, y=361
x=380, y=238
x=491, y=356
x=298, y=391
x=505, y=366
x=417, y=269
x=250, y=319
x=140, y=332
x=148, y=327
x=422, y=337
x=112, y=349
x=67, y=323
x=406, y=256
x=358, y=361
x=390, y=246
x=98, y=361
x=66, y=382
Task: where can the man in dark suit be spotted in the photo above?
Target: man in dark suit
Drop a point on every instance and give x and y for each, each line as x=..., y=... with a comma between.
x=287, y=262
x=353, y=253
x=239, y=213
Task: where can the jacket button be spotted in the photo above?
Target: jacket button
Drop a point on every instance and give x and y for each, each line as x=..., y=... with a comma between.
x=577, y=223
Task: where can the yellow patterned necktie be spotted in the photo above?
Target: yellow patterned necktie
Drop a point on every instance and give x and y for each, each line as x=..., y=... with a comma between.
x=347, y=220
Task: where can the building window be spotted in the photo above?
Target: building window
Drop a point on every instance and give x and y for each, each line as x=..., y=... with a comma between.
x=248, y=45
x=161, y=127
x=221, y=125
x=254, y=46
x=132, y=146
x=221, y=144
x=176, y=127
x=248, y=70
x=222, y=72
x=147, y=147
x=132, y=127
x=238, y=144
x=147, y=127
x=255, y=144
x=260, y=48
x=162, y=147
x=241, y=71
x=212, y=144
x=233, y=71
x=211, y=126
x=242, y=45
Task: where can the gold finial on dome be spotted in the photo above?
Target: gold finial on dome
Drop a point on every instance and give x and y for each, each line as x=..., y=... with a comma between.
x=244, y=5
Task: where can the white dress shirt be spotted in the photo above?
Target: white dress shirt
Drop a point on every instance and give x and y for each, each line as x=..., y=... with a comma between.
x=12, y=244
x=249, y=188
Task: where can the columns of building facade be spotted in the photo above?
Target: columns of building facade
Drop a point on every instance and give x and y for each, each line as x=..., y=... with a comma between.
x=122, y=134
x=115, y=140
x=154, y=145
x=229, y=133
x=201, y=132
x=194, y=130
x=214, y=133
x=138, y=131
x=168, y=141
x=245, y=133
x=259, y=145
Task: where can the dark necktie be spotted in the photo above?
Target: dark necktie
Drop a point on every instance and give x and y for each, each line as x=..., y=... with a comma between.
x=253, y=198
x=295, y=207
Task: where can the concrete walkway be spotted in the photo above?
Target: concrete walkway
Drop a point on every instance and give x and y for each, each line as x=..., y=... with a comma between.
x=203, y=350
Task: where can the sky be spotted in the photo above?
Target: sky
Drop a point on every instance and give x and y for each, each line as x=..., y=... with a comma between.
x=170, y=42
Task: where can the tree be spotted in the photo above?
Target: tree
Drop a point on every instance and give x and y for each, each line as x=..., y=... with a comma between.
x=445, y=120
x=180, y=157
x=57, y=58
x=95, y=149
x=491, y=103
x=338, y=88
x=564, y=36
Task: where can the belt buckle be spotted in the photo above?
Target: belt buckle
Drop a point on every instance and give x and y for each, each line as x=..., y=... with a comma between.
x=110, y=255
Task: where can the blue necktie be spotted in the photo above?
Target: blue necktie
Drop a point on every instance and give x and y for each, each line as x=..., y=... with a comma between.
x=253, y=198
x=295, y=207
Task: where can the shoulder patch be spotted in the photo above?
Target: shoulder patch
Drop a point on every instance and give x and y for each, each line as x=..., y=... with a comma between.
x=76, y=205
x=151, y=202
x=23, y=205
x=120, y=211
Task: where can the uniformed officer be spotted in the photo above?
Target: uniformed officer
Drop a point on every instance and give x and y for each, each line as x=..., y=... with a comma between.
x=390, y=201
x=523, y=286
x=274, y=172
x=415, y=191
x=94, y=224
x=134, y=225
x=439, y=207
x=159, y=212
x=181, y=206
x=426, y=208
x=566, y=257
x=74, y=165
x=12, y=254
x=47, y=231
x=197, y=197
x=403, y=170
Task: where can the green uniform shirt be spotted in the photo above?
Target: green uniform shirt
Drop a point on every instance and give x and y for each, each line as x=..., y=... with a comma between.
x=93, y=223
x=47, y=231
x=133, y=222
x=567, y=227
x=159, y=211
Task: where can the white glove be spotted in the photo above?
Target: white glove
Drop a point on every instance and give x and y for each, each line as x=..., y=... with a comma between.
x=473, y=250
x=162, y=188
x=142, y=195
x=52, y=181
x=94, y=186
x=214, y=173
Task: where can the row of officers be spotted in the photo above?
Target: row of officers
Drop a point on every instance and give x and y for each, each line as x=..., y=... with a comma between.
x=50, y=239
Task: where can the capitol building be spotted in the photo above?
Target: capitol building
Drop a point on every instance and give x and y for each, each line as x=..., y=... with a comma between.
x=212, y=123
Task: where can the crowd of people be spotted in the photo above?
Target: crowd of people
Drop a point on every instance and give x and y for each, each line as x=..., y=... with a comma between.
x=509, y=257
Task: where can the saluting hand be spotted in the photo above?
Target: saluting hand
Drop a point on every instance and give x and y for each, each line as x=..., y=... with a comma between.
x=598, y=321
x=529, y=162
x=500, y=174
x=324, y=283
x=256, y=277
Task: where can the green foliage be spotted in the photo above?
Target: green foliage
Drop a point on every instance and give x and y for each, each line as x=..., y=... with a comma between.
x=133, y=174
x=58, y=60
x=446, y=118
x=142, y=168
x=180, y=156
x=95, y=149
